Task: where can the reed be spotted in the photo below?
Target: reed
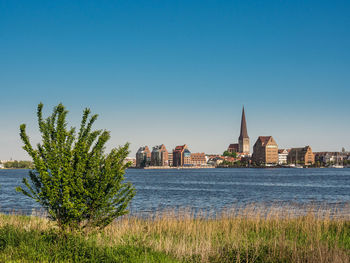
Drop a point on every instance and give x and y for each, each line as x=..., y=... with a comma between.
x=251, y=234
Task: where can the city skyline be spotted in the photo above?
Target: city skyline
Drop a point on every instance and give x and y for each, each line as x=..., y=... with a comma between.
x=175, y=73
x=171, y=147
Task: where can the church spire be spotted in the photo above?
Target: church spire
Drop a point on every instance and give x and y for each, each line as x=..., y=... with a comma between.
x=244, y=132
x=243, y=140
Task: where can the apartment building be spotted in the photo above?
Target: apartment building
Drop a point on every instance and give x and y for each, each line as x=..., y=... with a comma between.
x=143, y=157
x=303, y=155
x=198, y=159
x=159, y=156
x=265, y=151
x=181, y=156
x=283, y=156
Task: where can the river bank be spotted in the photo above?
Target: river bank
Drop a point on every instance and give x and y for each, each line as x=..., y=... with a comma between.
x=176, y=168
x=254, y=235
x=226, y=166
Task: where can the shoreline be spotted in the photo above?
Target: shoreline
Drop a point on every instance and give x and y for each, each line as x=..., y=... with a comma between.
x=175, y=168
x=225, y=167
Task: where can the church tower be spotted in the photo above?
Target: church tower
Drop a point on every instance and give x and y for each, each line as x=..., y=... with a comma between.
x=243, y=139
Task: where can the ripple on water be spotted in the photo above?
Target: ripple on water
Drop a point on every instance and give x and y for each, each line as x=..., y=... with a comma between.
x=211, y=189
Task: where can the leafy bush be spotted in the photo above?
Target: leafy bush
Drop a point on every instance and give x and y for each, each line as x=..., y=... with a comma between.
x=72, y=178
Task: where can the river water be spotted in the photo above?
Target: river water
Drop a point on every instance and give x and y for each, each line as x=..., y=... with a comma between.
x=210, y=189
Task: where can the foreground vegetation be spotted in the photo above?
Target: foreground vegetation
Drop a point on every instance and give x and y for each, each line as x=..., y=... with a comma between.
x=249, y=235
x=75, y=181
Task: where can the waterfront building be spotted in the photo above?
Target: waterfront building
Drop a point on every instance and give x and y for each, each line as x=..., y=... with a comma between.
x=198, y=159
x=243, y=145
x=327, y=158
x=159, y=156
x=303, y=155
x=170, y=158
x=282, y=156
x=265, y=151
x=187, y=157
x=324, y=157
x=143, y=157
x=181, y=156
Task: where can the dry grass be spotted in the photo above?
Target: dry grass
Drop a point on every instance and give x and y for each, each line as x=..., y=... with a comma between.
x=26, y=222
x=239, y=235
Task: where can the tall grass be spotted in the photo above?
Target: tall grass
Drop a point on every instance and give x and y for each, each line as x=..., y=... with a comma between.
x=251, y=234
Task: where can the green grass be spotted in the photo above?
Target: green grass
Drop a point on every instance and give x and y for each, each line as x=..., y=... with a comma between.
x=19, y=245
x=253, y=236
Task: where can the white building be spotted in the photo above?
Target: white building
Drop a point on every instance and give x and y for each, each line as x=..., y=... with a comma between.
x=282, y=156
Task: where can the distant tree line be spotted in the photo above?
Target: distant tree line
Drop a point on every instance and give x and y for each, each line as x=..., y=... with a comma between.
x=235, y=164
x=18, y=164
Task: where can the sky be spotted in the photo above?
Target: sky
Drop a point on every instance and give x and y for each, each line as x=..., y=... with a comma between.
x=176, y=72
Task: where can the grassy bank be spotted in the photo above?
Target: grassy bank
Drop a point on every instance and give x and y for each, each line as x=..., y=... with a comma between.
x=252, y=235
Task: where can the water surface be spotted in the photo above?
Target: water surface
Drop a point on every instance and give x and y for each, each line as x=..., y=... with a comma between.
x=211, y=189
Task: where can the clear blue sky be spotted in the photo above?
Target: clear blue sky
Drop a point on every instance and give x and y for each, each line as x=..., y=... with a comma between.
x=177, y=72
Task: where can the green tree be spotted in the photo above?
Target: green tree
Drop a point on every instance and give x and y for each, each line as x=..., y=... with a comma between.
x=72, y=178
x=227, y=153
x=18, y=164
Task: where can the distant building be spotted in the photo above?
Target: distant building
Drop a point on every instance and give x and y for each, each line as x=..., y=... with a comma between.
x=282, y=156
x=143, y=157
x=243, y=145
x=181, y=156
x=265, y=151
x=324, y=157
x=159, y=156
x=178, y=155
x=198, y=159
x=302, y=155
x=233, y=148
x=243, y=139
x=330, y=157
x=187, y=157
x=170, y=158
